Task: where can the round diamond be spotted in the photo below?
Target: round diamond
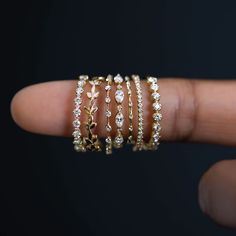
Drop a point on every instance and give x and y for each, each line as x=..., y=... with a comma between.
x=79, y=90
x=76, y=134
x=119, y=96
x=154, y=87
x=81, y=83
x=76, y=123
x=77, y=112
x=157, y=127
x=157, y=116
x=78, y=100
x=118, y=79
x=152, y=79
x=157, y=106
x=156, y=96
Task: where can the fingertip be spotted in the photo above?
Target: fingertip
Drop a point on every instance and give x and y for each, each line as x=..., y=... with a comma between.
x=17, y=108
x=217, y=193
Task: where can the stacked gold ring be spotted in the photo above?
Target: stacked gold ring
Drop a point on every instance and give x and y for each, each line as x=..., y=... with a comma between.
x=90, y=141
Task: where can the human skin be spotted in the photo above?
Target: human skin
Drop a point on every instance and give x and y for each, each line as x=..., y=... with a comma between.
x=193, y=111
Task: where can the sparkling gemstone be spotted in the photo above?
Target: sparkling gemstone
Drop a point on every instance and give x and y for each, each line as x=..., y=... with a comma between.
x=77, y=148
x=156, y=137
x=157, y=106
x=119, y=140
x=107, y=100
x=79, y=90
x=83, y=77
x=76, y=134
x=157, y=116
x=78, y=100
x=157, y=127
x=152, y=79
x=108, y=127
x=118, y=79
x=77, y=141
x=76, y=123
x=108, y=87
x=108, y=140
x=119, y=96
x=156, y=96
x=108, y=113
x=119, y=120
x=108, y=150
x=77, y=112
x=154, y=87
x=81, y=83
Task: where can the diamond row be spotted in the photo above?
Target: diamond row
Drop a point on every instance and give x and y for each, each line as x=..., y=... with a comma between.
x=108, y=140
x=156, y=127
x=119, y=118
x=78, y=142
x=139, y=145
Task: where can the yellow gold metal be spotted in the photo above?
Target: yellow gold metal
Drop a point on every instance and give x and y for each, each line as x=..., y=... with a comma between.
x=130, y=139
x=91, y=141
x=108, y=127
x=157, y=116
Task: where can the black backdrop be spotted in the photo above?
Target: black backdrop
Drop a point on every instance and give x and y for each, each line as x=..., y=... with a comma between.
x=48, y=189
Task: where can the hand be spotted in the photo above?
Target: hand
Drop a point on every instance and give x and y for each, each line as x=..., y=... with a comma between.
x=193, y=110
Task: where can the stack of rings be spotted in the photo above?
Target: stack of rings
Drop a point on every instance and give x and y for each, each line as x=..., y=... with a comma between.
x=90, y=141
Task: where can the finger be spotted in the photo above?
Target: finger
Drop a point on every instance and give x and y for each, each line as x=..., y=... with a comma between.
x=217, y=193
x=193, y=110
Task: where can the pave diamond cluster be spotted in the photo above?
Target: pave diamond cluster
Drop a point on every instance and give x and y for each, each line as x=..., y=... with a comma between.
x=125, y=99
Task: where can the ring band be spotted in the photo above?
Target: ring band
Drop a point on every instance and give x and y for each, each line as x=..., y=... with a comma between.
x=130, y=139
x=119, y=119
x=139, y=145
x=108, y=127
x=78, y=141
x=90, y=141
x=156, y=127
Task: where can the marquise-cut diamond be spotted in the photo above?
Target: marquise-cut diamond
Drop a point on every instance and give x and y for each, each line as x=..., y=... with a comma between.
x=119, y=96
x=119, y=119
x=118, y=79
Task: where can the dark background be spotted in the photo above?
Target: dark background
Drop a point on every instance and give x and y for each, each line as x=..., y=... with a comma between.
x=47, y=188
